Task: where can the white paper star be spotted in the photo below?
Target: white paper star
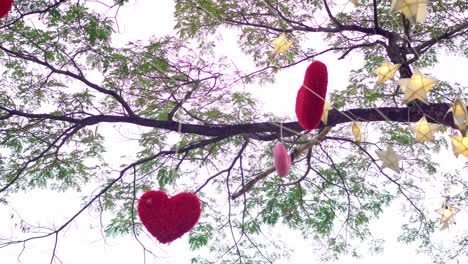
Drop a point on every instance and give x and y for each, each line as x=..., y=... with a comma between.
x=414, y=10
x=390, y=159
x=447, y=213
x=416, y=87
x=386, y=71
x=424, y=131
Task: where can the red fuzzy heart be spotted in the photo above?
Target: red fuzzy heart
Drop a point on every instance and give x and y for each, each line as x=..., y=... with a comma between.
x=5, y=6
x=168, y=218
x=282, y=160
x=310, y=103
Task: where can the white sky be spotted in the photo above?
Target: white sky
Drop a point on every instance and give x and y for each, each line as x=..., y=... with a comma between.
x=82, y=242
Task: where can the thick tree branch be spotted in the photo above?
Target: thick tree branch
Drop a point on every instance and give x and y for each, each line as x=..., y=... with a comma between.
x=436, y=112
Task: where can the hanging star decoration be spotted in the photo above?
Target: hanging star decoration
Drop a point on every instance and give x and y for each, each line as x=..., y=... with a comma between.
x=416, y=87
x=386, y=71
x=354, y=2
x=459, y=145
x=390, y=159
x=326, y=107
x=356, y=129
x=424, y=131
x=281, y=44
x=460, y=115
x=447, y=213
x=414, y=10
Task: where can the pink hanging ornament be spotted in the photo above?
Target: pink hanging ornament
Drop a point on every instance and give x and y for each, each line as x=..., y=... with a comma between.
x=282, y=160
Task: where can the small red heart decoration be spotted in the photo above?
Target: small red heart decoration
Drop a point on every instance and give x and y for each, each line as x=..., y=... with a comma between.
x=309, y=104
x=5, y=6
x=168, y=218
x=282, y=160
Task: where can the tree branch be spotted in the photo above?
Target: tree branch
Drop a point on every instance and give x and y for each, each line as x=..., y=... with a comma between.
x=295, y=154
x=437, y=112
x=447, y=35
x=75, y=76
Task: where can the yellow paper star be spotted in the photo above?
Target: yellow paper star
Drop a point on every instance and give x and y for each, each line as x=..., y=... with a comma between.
x=416, y=87
x=447, y=213
x=459, y=145
x=414, y=10
x=390, y=159
x=356, y=128
x=386, y=71
x=354, y=2
x=460, y=115
x=281, y=44
x=424, y=131
x=326, y=108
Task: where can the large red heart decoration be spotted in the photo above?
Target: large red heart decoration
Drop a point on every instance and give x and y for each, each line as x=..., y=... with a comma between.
x=282, y=160
x=5, y=6
x=168, y=218
x=310, y=98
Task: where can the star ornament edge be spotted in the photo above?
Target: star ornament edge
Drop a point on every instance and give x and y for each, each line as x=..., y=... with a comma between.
x=326, y=108
x=414, y=10
x=459, y=145
x=459, y=115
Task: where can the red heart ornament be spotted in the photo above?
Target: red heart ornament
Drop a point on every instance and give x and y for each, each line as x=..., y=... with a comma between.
x=5, y=6
x=168, y=218
x=282, y=160
x=310, y=103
